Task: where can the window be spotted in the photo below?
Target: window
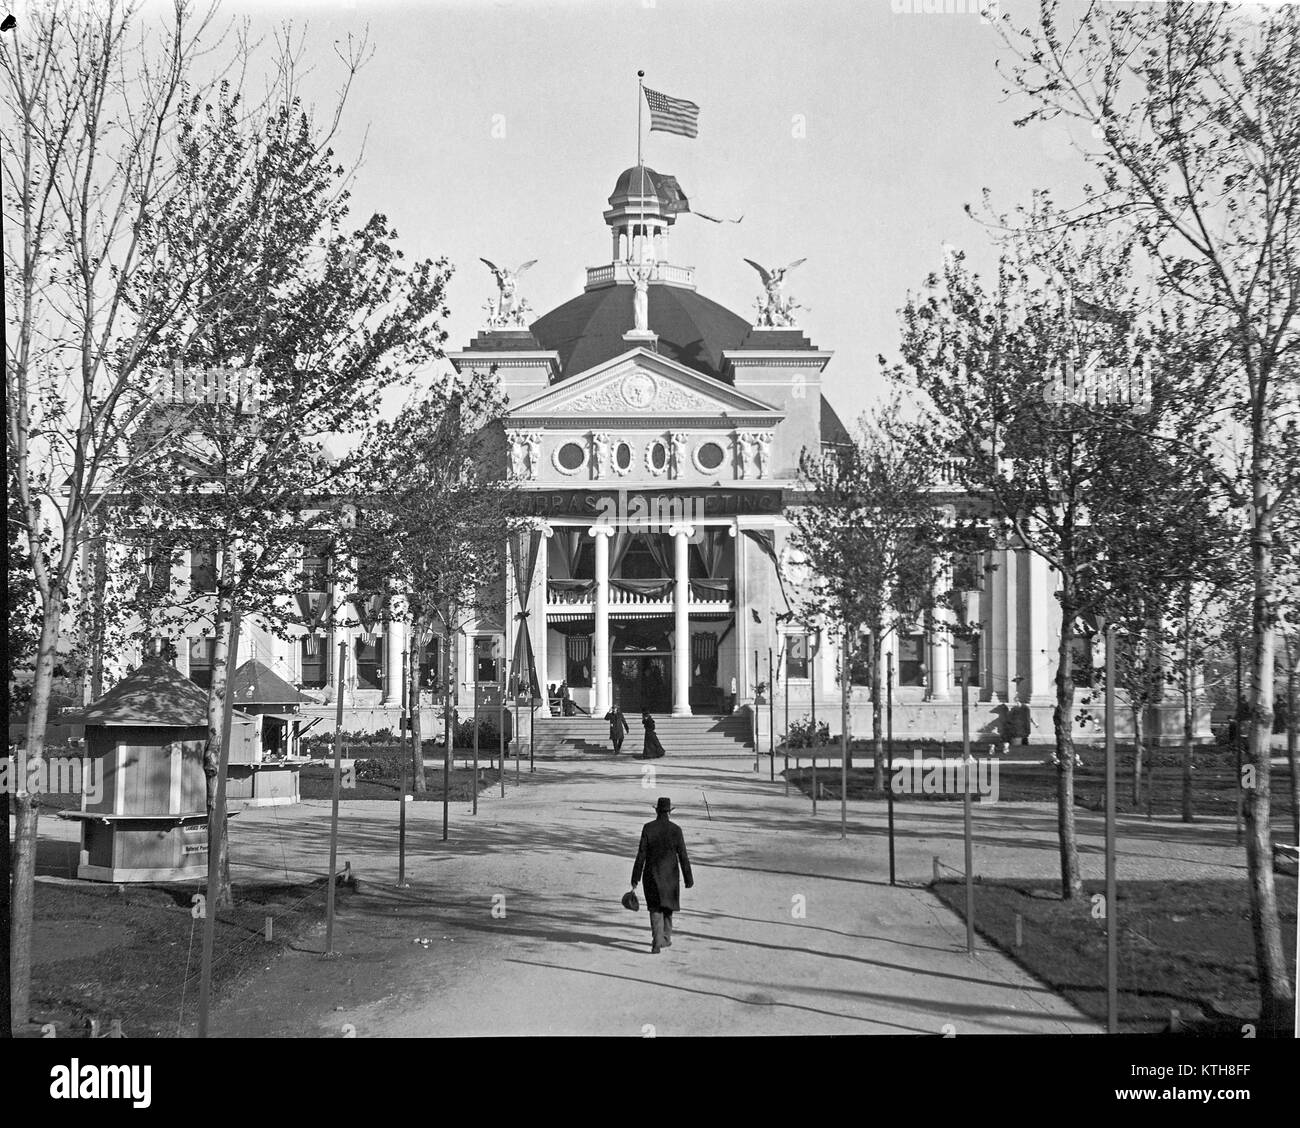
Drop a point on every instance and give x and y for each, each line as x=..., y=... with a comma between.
x=156, y=572
x=968, y=572
x=1081, y=661
x=430, y=663
x=313, y=661
x=623, y=458
x=315, y=569
x=860, y=661
x=658, y=456
x=202, y=652
x=966, y=657
x=370, y=671
x=911, y=660
x=487, y=666
x=577, y=661
x=709, y=456
x=571, y=457
x=584, y=561
x=639, y=563
x=203, y=568
x=796, y=656
x=704, y=659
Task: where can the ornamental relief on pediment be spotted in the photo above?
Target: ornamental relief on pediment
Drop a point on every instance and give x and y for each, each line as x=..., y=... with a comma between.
x=639, y=391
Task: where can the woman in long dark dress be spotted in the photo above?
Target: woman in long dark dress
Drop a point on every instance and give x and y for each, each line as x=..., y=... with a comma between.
x=653, y=749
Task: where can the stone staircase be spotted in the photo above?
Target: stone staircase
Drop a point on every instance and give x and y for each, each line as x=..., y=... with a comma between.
x=581, y=737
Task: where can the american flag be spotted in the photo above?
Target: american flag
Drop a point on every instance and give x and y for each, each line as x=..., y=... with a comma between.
x=672, y=115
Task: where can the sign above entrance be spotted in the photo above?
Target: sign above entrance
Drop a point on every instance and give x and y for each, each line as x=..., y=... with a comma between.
x=644, y=504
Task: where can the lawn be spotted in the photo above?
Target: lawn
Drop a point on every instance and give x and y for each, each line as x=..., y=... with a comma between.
x=1184, y=946
x=132, y=953
x=317, y=782
x=1213, y=786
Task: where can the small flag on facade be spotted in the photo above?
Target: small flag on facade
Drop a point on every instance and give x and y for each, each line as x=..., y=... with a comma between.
x=672, y=115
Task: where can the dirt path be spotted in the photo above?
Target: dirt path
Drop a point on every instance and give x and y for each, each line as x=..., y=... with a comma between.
x=789, y=929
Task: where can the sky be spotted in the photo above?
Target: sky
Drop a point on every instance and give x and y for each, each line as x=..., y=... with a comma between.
x=851, y=133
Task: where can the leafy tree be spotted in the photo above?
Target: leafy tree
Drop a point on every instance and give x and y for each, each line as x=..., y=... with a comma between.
x=1191, y=114
x=292, y=330
x=437, y=513
x=874, y=536
x=1063, y=480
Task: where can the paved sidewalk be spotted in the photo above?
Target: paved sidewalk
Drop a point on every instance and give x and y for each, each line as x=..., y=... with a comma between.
x=789, y=929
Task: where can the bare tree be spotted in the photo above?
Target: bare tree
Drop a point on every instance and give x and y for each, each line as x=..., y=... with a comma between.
x=1188, y=112
x=92, y=98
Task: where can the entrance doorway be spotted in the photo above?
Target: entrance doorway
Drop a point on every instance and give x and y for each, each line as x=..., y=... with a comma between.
x=643, y=680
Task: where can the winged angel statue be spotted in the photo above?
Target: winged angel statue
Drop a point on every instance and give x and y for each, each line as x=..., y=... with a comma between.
x=507, y=309
x=774, y=308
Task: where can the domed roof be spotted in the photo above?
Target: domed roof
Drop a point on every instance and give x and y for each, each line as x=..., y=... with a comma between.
x=588, y=330
x=639, y=180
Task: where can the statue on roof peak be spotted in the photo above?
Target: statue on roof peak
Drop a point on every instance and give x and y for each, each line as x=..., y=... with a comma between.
x=774, y=308
x=507, y=310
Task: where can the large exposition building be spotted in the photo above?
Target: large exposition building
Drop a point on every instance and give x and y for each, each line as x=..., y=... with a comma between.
x=657, y=436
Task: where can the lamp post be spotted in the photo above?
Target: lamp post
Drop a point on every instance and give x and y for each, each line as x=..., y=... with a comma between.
x=1107, y=631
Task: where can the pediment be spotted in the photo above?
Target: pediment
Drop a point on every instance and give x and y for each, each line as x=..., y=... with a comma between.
x=642, y=383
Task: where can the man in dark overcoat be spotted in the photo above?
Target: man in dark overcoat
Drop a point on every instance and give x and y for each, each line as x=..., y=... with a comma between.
x=618, y=727
x=661, y=852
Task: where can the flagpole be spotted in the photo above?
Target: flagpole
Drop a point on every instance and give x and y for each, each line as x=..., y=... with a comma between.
x=640, y=97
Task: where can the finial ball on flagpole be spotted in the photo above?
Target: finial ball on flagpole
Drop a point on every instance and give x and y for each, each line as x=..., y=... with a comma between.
x=640, y=74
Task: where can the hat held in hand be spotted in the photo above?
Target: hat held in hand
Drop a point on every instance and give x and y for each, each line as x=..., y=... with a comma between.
x=630, y=901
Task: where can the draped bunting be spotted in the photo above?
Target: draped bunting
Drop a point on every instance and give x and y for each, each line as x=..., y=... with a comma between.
x=764, y=538
x=622, y=541
x=659, y=552
x=524, y=554
x=577, y=587
x=712, y=550
x=369, y=610
x=653, y=588
x=565, y=543
x=704, y=588
x=312, y=607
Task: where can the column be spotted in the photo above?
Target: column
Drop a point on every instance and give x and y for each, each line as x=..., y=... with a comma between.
x=1009, y=642
x=681, y=619
x=537, y=609
x=394, y=640
x=1042, y=657
x=941, y=641
x=997, y=626
x=600, y=644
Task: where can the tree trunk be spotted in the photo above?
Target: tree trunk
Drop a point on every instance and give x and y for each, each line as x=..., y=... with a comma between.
x=97, y=619
x=1062, y=721
x=1292, y=733
x=1137, y=754
x=222, y=660
x=1277, y=994
x=877, y=731
x=1188, y=814
x=27, y=815
x=418, y=783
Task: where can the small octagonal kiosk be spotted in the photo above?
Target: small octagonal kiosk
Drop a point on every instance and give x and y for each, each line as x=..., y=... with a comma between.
x=268, y=776
x=144, y=745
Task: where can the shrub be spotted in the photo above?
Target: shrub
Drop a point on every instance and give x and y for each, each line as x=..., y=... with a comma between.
x=487, y=733
x=803, y=735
